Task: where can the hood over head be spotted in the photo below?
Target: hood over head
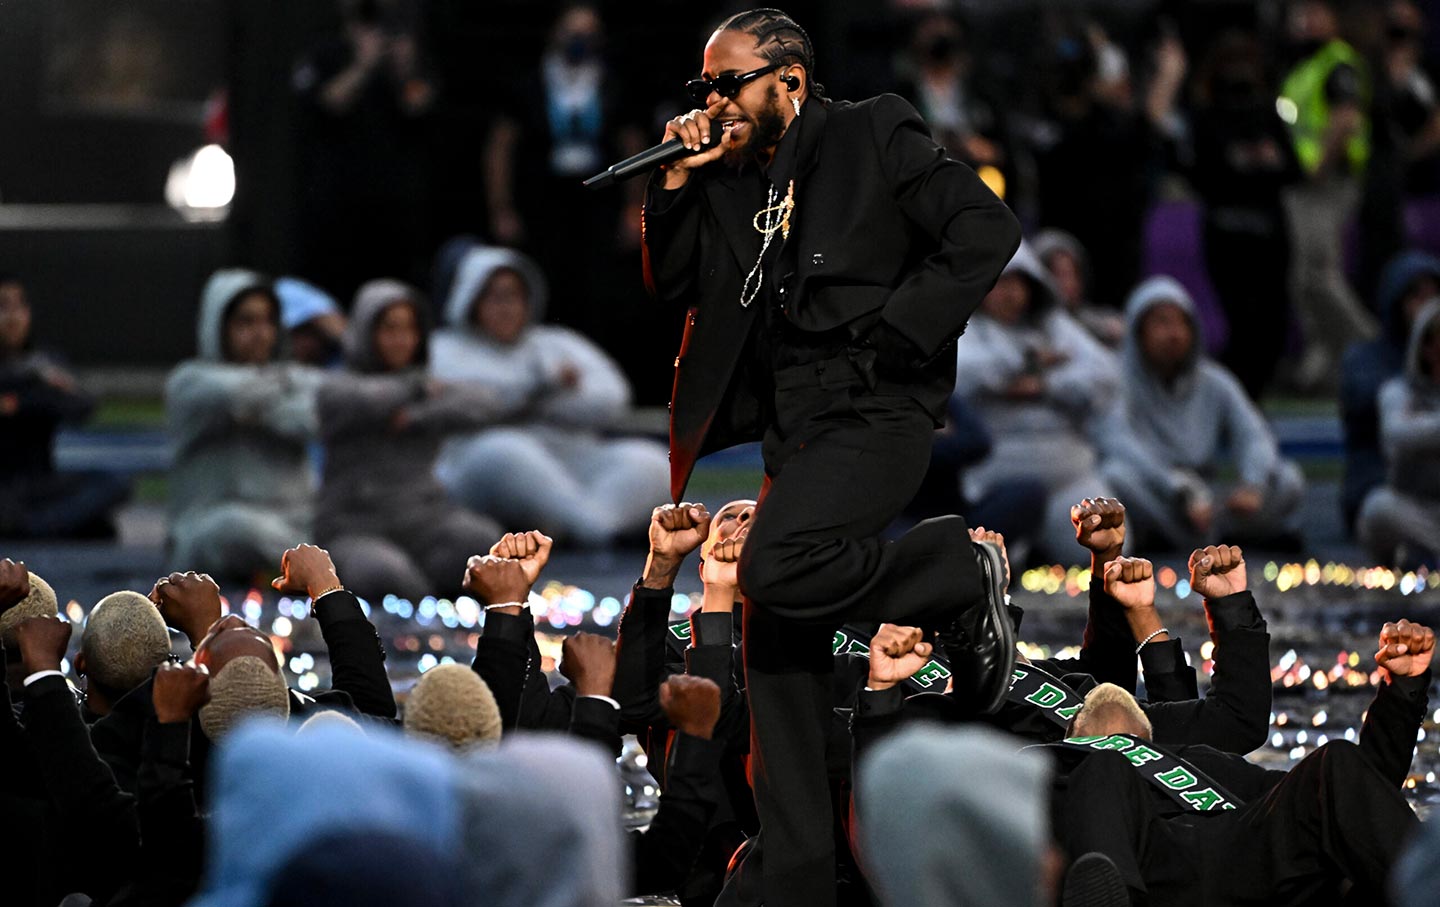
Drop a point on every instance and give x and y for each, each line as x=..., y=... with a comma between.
x=301, y=302
x=954, y=815
x=475, y=270
x=1048, y=242
x=273, y=793
x=542, y=793
x=371, y=300
x=447, y=263
x=1399, y=273
x=1151, y=292
x=1026, y=263
x=1427, y=318
x=222, y=289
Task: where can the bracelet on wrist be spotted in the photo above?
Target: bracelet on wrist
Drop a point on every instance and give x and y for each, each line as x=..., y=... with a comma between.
x=1146, y=641
x=335, y=588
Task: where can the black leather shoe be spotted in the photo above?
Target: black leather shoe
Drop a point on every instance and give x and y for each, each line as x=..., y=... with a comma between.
x=980, y=643
x=1094, y=881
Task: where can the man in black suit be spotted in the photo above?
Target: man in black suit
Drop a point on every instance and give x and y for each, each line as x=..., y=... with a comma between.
x=828, y=254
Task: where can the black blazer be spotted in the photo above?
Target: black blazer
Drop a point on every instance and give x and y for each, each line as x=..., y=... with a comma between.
x=885, y=228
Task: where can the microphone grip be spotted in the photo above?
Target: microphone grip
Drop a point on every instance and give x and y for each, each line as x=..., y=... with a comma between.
x=644, y=162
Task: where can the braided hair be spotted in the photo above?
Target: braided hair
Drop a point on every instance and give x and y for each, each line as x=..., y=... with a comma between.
x=778, y=39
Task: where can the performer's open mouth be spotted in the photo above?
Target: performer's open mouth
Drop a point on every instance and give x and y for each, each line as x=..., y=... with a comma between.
x=734, y=127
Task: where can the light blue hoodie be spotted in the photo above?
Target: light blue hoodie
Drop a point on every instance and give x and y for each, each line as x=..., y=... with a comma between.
x=536, y=822
x=273, y=791
x=1173, y=435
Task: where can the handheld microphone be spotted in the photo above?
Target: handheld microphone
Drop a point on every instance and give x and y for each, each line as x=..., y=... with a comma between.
x=645, y=161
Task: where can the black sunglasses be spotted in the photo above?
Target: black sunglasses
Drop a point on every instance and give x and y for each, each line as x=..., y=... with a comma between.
x=727, y=85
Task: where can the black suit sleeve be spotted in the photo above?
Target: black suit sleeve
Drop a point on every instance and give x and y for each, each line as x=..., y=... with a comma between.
x=172, y=832
x=357, y=659
x=1107, y=650
x=641, y=656
x=877, y=713
x=502, y=659
x=1392, y=725
x=14, y=756
x=1235, y=714
x=597, y=720
x=507, y=658
x=666, y=851
x=1168, y=676
x=945, y=200
x=670, y=231
x=82, y=786
x=711, y=653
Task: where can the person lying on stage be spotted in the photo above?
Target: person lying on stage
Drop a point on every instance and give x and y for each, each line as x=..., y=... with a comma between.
x=1192, y=825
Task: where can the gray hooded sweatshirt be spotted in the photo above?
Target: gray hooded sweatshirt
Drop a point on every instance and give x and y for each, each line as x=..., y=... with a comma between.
x=376, y=476
x=1174, y=435
x=954, y=817
x=1410, y=417
x=1050, y=434
x=526, y=372
x=240, y=431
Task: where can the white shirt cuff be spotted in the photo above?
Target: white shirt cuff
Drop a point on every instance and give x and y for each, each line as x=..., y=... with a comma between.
x=604, y=699
x=42, y=674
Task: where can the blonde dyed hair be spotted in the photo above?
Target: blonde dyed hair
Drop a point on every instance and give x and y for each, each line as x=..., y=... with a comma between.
x=39, y=603
x=124, y=640
x=1110, y=709
x=450, y=703
x=246, y=686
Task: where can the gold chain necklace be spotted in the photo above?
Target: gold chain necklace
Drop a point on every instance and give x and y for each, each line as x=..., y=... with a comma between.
x=773, y=218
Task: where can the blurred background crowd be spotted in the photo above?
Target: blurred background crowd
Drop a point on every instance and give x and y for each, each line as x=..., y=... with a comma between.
x=1278, y=162
x=283, y=271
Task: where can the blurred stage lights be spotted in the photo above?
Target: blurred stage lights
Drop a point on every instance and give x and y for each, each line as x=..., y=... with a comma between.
x=202, y=185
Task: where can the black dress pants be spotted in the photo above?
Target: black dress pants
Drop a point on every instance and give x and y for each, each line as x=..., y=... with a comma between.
x=841, y=463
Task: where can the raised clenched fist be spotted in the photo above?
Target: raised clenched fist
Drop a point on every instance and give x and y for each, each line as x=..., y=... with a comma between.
x=42, y=641
x=14, y=583
x=307, y=570
x=189, y=602
x=588, y=661
x=179, y=691
x=678, y=529
x=495, y=580
x=1131, y=582
x=1099, y=525
x=531, y=549
x=722, y=564
x=1217, y=571
x=1405, y=648
x=692, y=704
x=896, y=654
